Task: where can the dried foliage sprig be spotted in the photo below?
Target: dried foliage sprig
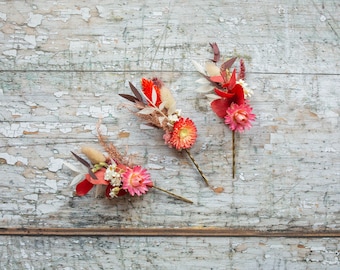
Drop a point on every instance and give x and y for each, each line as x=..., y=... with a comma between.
x=157, y=107
x=230, y=100
x=117, y=176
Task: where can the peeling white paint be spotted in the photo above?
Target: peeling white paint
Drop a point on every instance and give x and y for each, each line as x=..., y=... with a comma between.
x=85, y=14
x=65, y=130
x=55, y=164
x=60, y=93
x=31, y=197
x=34, y=20
x=10, y=52
x=96, y=111
x=102, y=11
x=52, y=184
x=12, y=160
x=50, y=207
x=3, y=16
x=152, y=166
x=31, y=39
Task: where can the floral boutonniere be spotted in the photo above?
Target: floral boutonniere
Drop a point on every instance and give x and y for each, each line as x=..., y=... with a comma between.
x=230, y=100
x=158, y=107
x=112, y=172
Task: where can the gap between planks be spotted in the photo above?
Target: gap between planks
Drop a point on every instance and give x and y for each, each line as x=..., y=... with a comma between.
x=167, y=232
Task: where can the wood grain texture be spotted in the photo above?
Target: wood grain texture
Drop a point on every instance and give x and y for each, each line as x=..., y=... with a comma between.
x=164, y=253
x=63, y=65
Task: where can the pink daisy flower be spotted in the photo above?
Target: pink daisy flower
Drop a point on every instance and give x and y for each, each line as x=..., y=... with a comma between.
x=238, y=117
x=136, y=180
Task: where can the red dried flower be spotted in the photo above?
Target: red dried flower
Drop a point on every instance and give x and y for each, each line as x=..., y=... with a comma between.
x=151, y=88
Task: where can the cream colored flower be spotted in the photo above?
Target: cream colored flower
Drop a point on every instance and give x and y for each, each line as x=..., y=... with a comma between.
x=112, y=175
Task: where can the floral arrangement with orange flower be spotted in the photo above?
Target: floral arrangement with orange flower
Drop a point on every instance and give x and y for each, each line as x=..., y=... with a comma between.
x=158, y=107
x=230, y=100
x=113, y=172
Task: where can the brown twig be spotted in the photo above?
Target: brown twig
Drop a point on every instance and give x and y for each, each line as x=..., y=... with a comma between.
x=197, y=167
x=234, y=155
x=215, y=189
x=173, y=194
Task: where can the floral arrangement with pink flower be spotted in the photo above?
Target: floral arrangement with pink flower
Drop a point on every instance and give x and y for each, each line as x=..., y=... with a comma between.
x=230, y=100
x=113, y=172
x=157, y=107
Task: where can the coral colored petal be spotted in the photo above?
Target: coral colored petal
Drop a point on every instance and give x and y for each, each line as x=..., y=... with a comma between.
x=217, y=79
x=100, y=175
x=220, y=106
x=223, y=94
x=83, y=188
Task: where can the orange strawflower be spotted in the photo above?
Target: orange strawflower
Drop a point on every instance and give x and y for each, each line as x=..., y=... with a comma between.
x=184, y=134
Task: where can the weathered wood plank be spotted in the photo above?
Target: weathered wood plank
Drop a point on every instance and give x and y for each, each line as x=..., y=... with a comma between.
x=282, y=158
x=293, y=37
x=164, y=253
x=63, y=64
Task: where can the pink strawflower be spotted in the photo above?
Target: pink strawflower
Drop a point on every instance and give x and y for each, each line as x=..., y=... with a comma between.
x=238, y=117
x=136, y=180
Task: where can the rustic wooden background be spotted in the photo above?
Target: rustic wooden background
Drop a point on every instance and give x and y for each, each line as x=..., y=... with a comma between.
x=63, y=64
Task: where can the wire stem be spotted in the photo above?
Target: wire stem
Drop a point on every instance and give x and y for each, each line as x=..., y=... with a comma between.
x=197, y=167
x=234, y=155
x=173, y=194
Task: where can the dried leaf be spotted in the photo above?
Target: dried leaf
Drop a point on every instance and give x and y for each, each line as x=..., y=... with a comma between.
x=216, y=51
x=86, y=164
x=81, y=160
x=212, y=96
x=227, y=65
x=136, y=92
x=212, y=69
x=198, y=67
x=161, y=119
x=205, y=88
x=91, y=173
x=77, y=179
x=161, y=106
x=72, y=167
x=129, y=97
x=147, y=110
x=202, y=81
x=154, y=96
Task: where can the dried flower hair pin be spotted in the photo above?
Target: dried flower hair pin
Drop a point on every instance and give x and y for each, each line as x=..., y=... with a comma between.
x=158, y=108
x=231, y=92
x=112, y=172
